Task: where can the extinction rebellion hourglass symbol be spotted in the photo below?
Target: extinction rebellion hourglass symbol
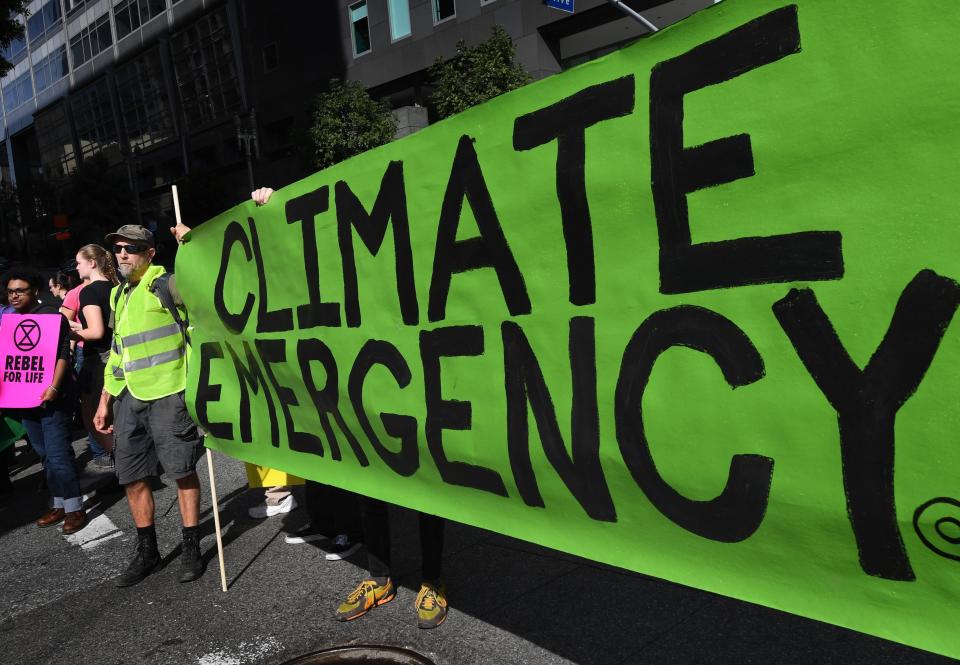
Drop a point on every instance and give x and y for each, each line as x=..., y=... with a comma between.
x=27, y=335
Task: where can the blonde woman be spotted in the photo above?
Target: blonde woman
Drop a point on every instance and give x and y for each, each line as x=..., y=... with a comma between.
x=92, y=327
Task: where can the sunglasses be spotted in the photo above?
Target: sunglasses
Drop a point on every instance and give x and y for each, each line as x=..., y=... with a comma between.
x=129, y=249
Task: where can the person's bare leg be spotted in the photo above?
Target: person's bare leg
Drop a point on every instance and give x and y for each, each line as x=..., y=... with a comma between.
x=147, y=558
x=140, y=498
x=188, y=494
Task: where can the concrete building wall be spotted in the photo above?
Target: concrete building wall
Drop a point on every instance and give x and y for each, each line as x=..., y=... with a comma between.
x=546, y=39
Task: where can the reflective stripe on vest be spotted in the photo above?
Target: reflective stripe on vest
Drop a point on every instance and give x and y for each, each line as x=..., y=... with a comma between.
x=154, y=360
x=150, y=335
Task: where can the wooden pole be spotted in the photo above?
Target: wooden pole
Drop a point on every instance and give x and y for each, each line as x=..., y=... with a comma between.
x=213, y=482
x=176, y=203
x=216, y=521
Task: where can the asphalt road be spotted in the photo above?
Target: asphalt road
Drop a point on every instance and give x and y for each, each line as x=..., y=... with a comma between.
x=512, y=602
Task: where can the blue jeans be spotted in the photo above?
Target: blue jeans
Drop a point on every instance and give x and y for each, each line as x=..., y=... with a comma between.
x=48, y=429
x=95, y=449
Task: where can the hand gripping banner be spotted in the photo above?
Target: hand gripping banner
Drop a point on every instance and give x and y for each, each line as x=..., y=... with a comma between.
x=688, y=309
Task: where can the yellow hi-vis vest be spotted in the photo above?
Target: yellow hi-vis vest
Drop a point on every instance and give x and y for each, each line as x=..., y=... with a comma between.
x=148, y=356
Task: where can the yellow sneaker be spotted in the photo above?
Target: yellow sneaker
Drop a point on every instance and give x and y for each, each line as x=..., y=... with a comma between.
x=364, y=598
x=431, y=605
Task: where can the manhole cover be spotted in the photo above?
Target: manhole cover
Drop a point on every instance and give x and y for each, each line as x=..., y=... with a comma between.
x=362, y=655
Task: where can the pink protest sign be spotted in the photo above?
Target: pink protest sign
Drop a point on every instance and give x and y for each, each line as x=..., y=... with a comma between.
x=28, y=356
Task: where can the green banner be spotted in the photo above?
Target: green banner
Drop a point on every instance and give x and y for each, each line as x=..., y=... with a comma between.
x=687, y=309
x=11, y=431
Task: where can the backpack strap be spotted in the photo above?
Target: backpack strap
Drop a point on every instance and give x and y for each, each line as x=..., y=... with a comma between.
x=161, y=289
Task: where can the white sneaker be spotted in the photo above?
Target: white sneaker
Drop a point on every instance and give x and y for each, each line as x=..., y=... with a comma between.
x=305, y=534
x=264, y=510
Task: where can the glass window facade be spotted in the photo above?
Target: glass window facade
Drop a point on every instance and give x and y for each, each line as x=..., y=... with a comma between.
x=399, y=18
x=51, y=69
x=17, y=92
x=206, y=70
x=131, y=14
x=360, y=28
x=271, y=57
x=143, y=101
x=45, y=22
x=95, y=122
x=72, y=6
x=16, y=51
x=443, y=9
x=57, y=156
x=91, y=40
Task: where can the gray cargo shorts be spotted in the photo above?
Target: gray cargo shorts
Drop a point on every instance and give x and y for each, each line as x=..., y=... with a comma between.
x=155, y=437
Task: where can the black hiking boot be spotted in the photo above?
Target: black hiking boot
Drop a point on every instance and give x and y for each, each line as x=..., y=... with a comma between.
x=144, y=561
x=191, y=563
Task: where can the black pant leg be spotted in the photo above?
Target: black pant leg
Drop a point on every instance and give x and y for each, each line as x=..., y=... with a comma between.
x=320, y=507
x=6, y=457
x=376, y=536
x=348, y=517
x=431, y=547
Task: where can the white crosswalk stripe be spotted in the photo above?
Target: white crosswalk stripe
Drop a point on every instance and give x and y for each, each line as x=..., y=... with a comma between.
x=99, y=529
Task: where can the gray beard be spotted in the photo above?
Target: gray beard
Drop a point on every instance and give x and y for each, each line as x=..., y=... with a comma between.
x=126, y=270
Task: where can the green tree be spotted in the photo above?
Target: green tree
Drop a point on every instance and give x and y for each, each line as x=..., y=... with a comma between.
x=10, y=28
x=348, y=121
x=476, y=74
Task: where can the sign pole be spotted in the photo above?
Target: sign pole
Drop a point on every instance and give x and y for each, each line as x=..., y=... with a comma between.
x=213, y=482
x=216, y=521
x=629, y=11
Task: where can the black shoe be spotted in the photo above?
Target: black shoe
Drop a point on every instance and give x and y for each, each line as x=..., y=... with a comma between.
x=103, y=463
x=144, y=562
x=191, y=563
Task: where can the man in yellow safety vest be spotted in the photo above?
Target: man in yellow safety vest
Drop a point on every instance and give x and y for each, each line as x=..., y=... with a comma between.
x=142, y=401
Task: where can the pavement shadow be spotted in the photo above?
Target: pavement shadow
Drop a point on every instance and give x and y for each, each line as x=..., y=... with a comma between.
x=24, y=503
x=592, y=613
x=234, y=522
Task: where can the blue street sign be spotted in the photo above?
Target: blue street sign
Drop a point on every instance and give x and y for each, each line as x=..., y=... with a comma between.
x=562, y=5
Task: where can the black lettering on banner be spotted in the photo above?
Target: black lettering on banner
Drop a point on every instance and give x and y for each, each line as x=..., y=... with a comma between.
x=405, y=461
x=210, y=392
x=488, y=250
x=273, y=351
x=737, y=512
x=326, y=399
x=867, y=402
x=251, y=376
x=451, y=342
x=677, y=171
x=390, y=205
x=280, y=320
x=235, y=323
x=581, y=472
x=567, y=122
x=304, y=209
x=944, y=536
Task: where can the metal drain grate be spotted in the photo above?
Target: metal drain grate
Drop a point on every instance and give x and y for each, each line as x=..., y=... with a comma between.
x=362, y=655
